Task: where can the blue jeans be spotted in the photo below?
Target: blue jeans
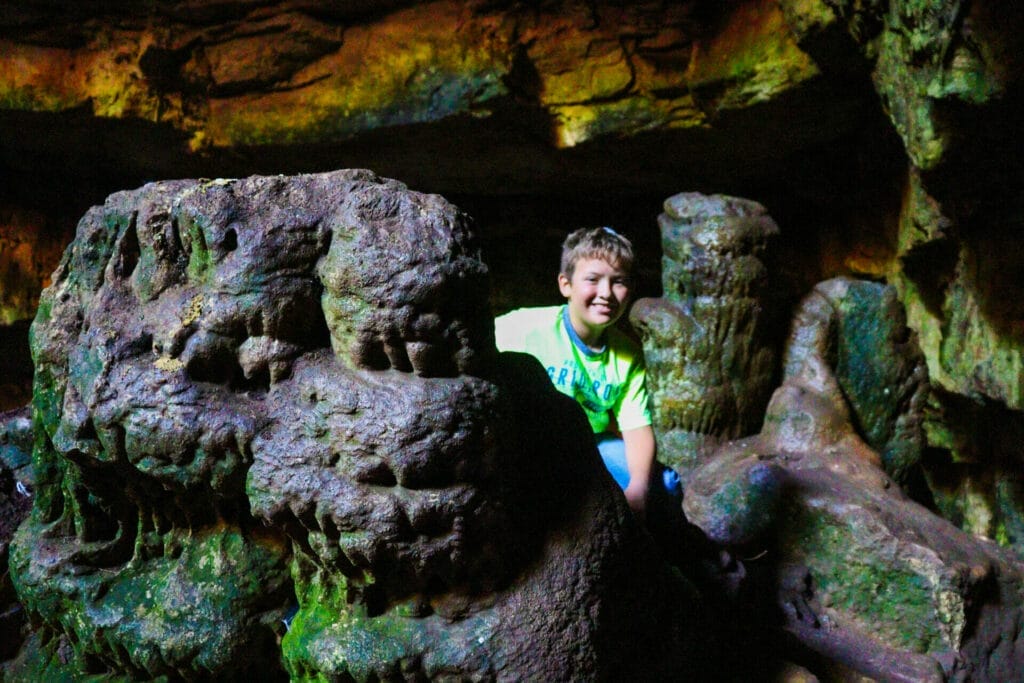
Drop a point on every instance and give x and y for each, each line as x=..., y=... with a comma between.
x=613, y=452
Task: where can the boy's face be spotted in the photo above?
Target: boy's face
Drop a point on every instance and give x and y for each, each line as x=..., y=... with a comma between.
x=597, y=294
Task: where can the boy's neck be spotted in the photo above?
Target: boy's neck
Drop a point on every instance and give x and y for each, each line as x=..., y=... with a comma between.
x=592, y=338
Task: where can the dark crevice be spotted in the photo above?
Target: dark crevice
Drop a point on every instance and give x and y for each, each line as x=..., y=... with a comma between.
x=230, y=240
x=217, y=364
x=128, y=251
x=258, y=381
x=932, y=267
x=162, y=66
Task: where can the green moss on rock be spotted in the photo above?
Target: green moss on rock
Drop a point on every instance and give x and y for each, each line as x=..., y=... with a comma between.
x=859, y=573
x=208, y=600
x=329, y=636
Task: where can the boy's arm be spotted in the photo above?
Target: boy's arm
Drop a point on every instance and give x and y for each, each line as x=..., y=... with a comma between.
x=640, y=451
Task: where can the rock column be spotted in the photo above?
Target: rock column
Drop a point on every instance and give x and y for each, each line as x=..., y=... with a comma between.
x=706, y=340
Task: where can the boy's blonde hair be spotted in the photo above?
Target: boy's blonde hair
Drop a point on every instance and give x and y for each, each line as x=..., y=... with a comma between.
x=601, y=243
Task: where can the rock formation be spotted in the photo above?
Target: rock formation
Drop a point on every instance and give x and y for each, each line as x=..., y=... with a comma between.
x=244, y=76
x=850, y=342
x=708, y=341
x=16, y=485
x=949, y=77
x=852, y=569
x=860, y=574
x=277, y=401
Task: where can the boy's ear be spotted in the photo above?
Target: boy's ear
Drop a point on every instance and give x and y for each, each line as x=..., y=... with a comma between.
x=564, y=285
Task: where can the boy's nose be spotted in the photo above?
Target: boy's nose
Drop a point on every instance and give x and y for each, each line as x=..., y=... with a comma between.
x=604, y=288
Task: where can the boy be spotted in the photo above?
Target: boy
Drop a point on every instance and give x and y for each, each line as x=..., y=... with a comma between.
x=591, y=361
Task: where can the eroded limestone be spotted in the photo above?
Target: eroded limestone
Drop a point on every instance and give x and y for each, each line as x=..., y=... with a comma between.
x=276, y=390
x=707, y=342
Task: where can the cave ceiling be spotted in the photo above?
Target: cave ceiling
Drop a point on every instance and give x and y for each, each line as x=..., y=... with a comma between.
x=492, y=99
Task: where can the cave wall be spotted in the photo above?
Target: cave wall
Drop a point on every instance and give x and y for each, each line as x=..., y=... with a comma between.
x=879, y=135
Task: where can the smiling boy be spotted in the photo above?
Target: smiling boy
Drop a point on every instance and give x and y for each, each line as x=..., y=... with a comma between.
x=587, y=358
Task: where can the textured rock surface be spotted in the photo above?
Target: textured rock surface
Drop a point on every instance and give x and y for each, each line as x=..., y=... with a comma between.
x=708, y=345
x=949, y=75
x=440, y=532
x=261, y=391
x=289, y=73
x=535, y=117
x=481, y=97
x=860, y=574
x=850, y=342
x=15, y=501
x=926, y=58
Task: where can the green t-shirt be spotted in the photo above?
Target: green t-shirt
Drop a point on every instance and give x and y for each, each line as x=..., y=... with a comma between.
x=607, y=382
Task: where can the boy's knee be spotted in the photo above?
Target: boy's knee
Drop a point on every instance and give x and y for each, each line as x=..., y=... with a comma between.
x=613, y=453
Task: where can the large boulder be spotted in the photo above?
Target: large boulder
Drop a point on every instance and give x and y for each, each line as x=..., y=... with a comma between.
x=949, y=76
x=859, y=573
x=274, y=436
